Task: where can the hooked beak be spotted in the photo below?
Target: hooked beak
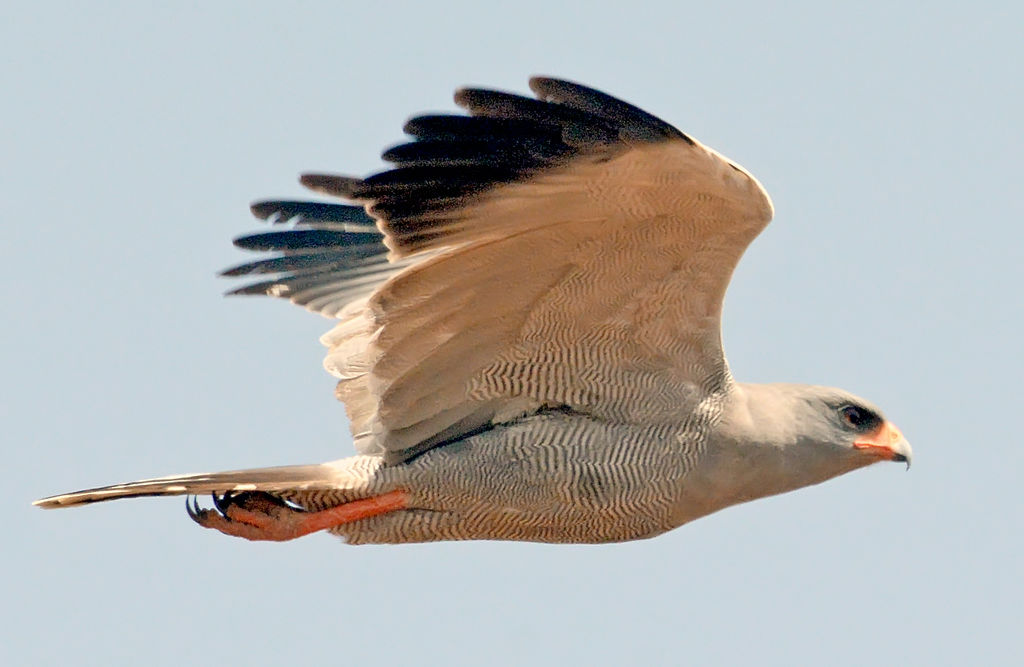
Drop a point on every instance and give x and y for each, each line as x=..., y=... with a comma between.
x=886, y=443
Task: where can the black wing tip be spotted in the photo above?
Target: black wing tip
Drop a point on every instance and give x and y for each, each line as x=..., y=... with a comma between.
x=464, y=96
x=235, y=271
x=305, y=240
x=490, y=102
x=332, y=184
x=542, y=85
x=264, y=208
x=263, y=288
x=642, y=124
x=452, y=159
x=310, y=213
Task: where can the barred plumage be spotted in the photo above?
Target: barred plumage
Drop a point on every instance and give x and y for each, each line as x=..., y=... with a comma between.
x=528, y=342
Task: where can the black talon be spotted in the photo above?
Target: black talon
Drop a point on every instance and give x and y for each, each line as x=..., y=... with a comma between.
x=222, y=502
x=193, y=509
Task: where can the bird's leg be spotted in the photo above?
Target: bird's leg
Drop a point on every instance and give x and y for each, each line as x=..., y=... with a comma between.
x=255, y=515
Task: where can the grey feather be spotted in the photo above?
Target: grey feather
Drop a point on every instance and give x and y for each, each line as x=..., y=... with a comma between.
x=528, y=342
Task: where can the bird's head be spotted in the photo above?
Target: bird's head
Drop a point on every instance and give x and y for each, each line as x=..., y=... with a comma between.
x=852, y=427
x=796, y=435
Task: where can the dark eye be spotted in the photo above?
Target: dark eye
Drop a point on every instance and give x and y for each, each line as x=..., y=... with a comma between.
x=861, y=419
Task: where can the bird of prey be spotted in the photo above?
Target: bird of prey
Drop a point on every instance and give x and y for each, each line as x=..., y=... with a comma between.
x=528, y=343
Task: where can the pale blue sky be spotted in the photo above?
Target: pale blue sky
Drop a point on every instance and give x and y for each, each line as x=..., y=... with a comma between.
x=134, y=138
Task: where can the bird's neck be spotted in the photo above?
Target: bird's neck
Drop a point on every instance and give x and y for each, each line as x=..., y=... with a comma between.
x=759, y=449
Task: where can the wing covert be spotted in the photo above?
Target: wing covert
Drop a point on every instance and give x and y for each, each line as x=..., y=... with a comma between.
x=570, y=251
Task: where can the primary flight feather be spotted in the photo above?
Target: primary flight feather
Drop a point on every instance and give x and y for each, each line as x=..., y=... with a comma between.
x=528, y=342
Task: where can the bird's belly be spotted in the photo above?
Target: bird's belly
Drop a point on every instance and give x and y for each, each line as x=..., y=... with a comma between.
x=557, y=478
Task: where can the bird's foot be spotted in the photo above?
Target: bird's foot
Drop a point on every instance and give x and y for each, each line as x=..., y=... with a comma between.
x=256, y=515
x=249, y=514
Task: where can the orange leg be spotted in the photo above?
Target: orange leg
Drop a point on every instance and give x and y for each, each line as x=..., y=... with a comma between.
x=260, y=516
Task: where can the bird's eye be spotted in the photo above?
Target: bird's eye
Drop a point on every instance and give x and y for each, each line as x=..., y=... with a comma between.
x=861, y=419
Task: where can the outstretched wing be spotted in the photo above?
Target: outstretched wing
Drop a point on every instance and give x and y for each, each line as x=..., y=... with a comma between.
x=567, y=252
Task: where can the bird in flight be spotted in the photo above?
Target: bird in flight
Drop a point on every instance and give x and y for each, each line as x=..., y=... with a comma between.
x=528, y=343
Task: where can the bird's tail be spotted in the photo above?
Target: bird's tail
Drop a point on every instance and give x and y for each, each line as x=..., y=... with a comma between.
x=281, y=480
